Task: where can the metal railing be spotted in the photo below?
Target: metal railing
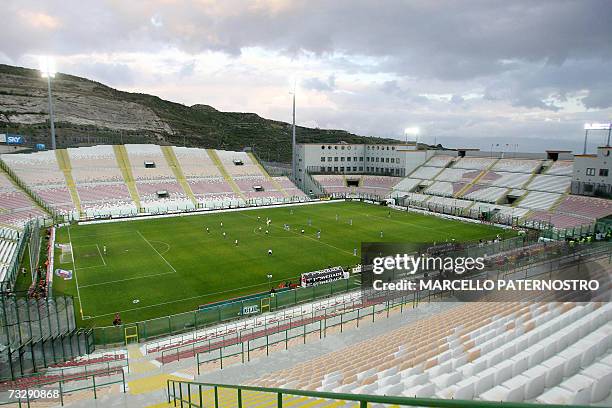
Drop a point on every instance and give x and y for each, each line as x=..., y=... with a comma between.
x=199, y=395
x=63, y=387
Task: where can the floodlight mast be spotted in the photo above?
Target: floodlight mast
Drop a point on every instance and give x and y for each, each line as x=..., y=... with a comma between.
x=293, y=161
x=412, y=131
x=47, y=71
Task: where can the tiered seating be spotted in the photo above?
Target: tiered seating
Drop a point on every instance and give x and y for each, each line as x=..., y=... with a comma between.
x=449, y=202
x=560, y=220
x=589, y=207
x=7, y=251
x=561, y=168
x=150, y=180
x=426, y=173
x=486, y=194
x=538, y=200
x=517, y=165
x=16, y=208
x=247, y=168
x=444, y=188
x=439, y=161
x=407, y=184
x=41, y=173
x=473, y=163
x=500, y=209
x=377, y=185
x=552, y=184
x=333, y=184
x=196, y=163
x=488, y=351
x=504, y=179
x=414, y=197
x=454, y=174
x=247, y=187
x=289, y=187
x=99, y=182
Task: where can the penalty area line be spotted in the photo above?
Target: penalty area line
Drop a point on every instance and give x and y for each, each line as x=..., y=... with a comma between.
x=156, y=251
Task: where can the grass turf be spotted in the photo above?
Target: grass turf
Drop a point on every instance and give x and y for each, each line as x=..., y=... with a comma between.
x=173, y=265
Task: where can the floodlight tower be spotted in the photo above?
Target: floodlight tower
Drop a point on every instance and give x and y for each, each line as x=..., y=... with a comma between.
x=293, y=162
x=47, y=70
x=412, y=131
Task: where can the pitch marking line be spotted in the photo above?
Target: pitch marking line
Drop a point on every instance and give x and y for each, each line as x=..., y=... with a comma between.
x=160, y=255
x=193, y=297
x=100, y=252
x=76, y=277
x=126, y=279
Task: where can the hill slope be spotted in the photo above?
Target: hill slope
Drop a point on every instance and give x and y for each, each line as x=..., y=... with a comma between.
x=88, y=112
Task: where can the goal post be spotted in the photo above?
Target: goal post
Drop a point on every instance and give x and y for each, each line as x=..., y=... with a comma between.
x=66, y=253
x=265, y=305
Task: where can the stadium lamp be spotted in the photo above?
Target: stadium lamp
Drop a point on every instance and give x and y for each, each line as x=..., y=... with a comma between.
x=595, y=126
x=412, y=131
x=269, y=276
x=47, y=70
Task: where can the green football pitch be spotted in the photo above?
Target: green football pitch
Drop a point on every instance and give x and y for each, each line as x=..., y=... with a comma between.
x=157, y=267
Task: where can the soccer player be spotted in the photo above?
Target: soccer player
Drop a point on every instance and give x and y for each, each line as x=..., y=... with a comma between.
x=319, y=234
x=207, y=230
x=354, y=251
x=302, y=231
x=269, y=252
x=266, y=231
x=351, y=222
x=221, y=224
x=236, y=242
x=223, y=234
x=104, y=249
x=381, y=234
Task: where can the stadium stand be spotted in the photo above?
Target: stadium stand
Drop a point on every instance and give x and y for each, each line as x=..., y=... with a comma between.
x=444, y=188
x=439, y=161
x=561, y=168
x=504, y=179
x=7, y=251
x=377, y=185
x=16, y=208
x=407, y=184
x=589, y=207
x=517, y=165
x=333, y=184
x=552, y=184
x=453, y=174
x=538, y=200
x=488, y=351
x=449, y=202
x=426, y=173
x=473, y=163
x=486, y=194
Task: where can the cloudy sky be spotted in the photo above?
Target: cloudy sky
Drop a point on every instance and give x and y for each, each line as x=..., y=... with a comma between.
x=467, y=73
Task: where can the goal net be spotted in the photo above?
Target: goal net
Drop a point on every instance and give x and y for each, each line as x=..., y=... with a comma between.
x=66, y=254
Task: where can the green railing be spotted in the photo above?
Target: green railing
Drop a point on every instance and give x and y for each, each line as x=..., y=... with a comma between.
x=194, y=394
x=57, y=390
x=199, y=319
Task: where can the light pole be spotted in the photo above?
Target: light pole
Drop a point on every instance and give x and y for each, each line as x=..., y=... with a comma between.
x=293, y=163
x=412, y=131
x=269, y=276
x=47, y=70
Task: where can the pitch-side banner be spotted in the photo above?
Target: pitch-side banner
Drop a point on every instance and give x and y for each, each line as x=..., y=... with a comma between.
x=323, y=276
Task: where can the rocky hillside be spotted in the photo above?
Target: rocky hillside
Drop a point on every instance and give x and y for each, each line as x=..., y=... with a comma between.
x=89, y=112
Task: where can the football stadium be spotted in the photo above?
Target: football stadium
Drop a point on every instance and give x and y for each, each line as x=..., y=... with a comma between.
x=155, y=254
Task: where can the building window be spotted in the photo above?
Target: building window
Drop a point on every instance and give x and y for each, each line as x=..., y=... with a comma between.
x=360, y=159
x=329, y=169
x=322, y=168
x=341, y=168
x=336, y=158
x=387, y=160
x=322, y=147
x=322, y=158
x=335, y=168
x=348, y=158
x=354, y=168
x=336, y=147
x=603, y=172
x=329, y=159
x=590, y=171
x=392, y=160
x=377, y=160
x=392, y=147
x=342, y=159
x=360, y=168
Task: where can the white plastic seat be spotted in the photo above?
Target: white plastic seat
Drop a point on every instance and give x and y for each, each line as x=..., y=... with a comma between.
x=555, y=366
x=602, y=376
x=537, y=381
x=423, y=390
x=580, y=386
